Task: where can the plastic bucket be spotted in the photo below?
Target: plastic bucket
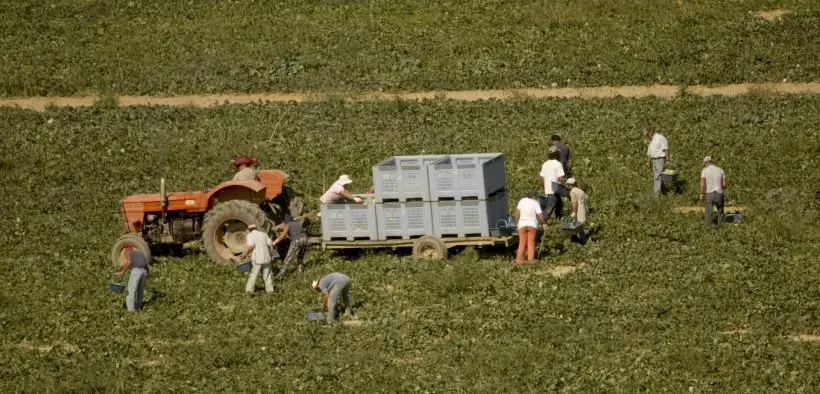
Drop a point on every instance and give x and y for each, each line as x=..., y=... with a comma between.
x=116, y=287
x=244, y=266
x=315, y=316
x=570, y=227
x=732, y=218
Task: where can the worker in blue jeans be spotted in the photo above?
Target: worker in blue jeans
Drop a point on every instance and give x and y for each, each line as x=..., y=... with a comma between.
x=333, y=286
x=136, y=261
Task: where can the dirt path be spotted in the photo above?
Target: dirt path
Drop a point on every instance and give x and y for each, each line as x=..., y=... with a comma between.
x=210, y=100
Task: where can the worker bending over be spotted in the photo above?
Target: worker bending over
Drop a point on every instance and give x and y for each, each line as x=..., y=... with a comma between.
x=333, y=286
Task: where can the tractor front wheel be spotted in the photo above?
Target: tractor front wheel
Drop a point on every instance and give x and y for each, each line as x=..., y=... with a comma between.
x=117, y=255
x=225, y=228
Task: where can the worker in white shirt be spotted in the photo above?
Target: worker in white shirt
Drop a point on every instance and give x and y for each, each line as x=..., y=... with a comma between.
x=712, y=183
x=657, y=155
x=258, y=243
x=528, y=215
x=552, y=178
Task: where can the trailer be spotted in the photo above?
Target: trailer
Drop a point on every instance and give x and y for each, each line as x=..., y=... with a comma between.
x=428, y=247
x=430, y=203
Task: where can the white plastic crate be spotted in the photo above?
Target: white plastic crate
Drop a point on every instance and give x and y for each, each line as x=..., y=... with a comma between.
x=459, y=218
x=473, y=175
x=349, y=221
x=404, y=220
x=402, y=178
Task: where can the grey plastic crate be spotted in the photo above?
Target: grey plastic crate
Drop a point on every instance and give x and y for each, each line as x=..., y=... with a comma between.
x=349, y=221
x=404, y=220
x=473, y=175
x=402, y=178
x=459, y=218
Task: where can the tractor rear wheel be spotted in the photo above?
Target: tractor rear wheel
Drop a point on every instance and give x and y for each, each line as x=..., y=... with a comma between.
x=225, y=228
x=117, y=255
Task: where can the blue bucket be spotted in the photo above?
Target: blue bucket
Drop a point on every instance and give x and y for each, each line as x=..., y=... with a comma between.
x=116, y=287
x=244, y=266
x=732, y=218
x=315, y=316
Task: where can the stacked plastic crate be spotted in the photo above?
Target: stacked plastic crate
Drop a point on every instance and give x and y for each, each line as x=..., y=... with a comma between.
x=348, y=222
x=468, y=194
x=442, y=195
x=402, y=189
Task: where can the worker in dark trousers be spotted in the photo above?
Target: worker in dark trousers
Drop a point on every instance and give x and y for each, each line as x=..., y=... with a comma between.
x=298, y=244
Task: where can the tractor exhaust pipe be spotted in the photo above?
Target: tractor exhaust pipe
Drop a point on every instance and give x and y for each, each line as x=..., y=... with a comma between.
x=163, y=199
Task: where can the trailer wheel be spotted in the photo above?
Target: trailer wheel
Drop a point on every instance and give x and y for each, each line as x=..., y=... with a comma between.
x=429, y=248
x=117, y=255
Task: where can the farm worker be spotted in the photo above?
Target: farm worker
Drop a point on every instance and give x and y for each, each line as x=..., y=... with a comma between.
x=578, y=200
x=657, y=155
x=332, y=286
x=528, y=215
x=712, y=183
x=245, y=170
x=258, y=242
x=564, y=155
x=552, y=175
x=338, y=191
x=298, y=243
x=136, y=261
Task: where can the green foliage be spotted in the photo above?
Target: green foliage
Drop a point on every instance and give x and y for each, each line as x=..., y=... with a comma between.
x=645, y=310
x=157, y=47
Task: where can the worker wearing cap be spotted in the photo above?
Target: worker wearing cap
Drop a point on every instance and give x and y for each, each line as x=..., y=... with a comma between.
x=257, y=247
x=657, y=155
x=339, y=191
x=528, y=216
x=552, y=177
x=333, y=286
x=298, y=243
x=712, y=183
x=578, y=200
x=244, y=169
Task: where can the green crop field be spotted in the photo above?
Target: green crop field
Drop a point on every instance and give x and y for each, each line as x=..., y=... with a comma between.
x=68, y=47
x=657, y=302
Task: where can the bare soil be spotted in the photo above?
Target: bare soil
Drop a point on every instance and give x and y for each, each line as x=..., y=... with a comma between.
x=772, y=15
x=560, y=271
x=806, y=338
x=701, y=209
x=211, y=100
x=736, y=331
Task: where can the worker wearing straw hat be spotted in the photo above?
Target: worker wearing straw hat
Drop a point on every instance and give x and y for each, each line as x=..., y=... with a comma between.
x=339, y=192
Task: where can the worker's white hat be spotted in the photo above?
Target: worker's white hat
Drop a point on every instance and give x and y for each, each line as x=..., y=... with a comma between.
x=315, y=284
x=571, y=181
x=345, y=179
x=707, y=158
x=553, y=149
x=252, y=226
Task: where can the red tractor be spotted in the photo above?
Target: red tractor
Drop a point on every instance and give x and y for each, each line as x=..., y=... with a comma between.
x=220, y=216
